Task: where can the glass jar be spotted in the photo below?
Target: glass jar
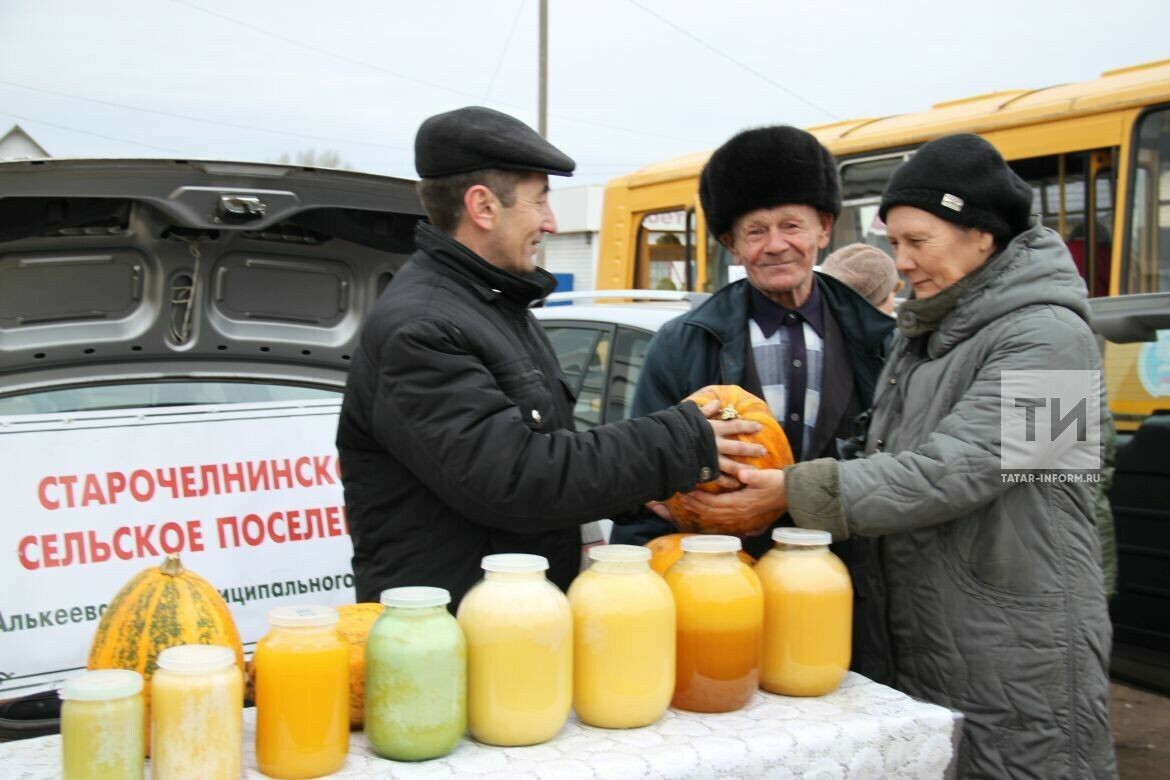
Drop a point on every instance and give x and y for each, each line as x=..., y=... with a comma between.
x=196, y=710
x=623, y=639
x=416, y=676
x=720, y=608
x=103, y=724
x=808, y=614
x=519, y=631
x=302, y=693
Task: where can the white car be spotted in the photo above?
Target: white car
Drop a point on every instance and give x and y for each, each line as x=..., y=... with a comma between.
x=600, y=339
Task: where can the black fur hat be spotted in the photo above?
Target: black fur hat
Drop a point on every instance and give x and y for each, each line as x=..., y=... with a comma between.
x=964, y=180
x=764, y=168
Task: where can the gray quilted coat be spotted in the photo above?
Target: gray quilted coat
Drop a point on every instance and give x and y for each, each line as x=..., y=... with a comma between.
x=995, y=599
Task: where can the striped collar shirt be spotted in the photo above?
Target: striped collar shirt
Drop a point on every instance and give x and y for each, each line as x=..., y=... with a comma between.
x=788, y=348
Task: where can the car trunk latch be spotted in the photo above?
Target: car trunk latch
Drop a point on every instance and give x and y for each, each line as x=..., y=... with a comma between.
x=240, y=209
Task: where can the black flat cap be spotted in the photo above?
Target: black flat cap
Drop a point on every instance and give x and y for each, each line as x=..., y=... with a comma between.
x=476, y=138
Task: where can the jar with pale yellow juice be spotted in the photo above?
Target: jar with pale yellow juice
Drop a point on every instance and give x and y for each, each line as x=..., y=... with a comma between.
x=103, y=720
x=623, y=639
x=519, y=631
x=719, y=605
x=302, y=693
x=196, y=711
x=808, y=614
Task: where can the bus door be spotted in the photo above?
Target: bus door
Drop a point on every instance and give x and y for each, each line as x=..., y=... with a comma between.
x=1137, y=374
x=1137, y=362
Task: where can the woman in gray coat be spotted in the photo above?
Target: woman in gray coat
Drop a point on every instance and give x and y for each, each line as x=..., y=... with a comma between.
x=994, y=592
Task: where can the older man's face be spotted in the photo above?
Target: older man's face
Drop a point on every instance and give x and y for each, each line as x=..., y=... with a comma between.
x=778, y=248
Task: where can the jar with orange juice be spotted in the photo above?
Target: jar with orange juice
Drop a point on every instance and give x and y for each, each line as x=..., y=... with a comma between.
x=519, y=631
x=623, y=639
x=196, y=714
x=302, y=693
x=719, y=604
x=808, y=614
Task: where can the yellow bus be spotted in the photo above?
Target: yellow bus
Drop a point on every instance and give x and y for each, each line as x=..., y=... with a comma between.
x=1096, y=153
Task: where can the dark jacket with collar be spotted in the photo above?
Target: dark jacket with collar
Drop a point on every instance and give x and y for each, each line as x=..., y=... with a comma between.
x=711, y=345
x=456, y=433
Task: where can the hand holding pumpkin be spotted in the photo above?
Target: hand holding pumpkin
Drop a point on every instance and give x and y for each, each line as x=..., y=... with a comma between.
x=746, y=512
x=733, y=405
x=733, y=439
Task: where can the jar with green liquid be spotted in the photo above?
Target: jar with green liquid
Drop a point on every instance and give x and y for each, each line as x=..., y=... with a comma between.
x=416, y=676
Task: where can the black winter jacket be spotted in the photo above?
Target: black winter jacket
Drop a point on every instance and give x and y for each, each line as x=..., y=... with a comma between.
x=456, y=433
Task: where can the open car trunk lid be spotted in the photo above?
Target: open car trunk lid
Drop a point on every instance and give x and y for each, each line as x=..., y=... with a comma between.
x=126, y=270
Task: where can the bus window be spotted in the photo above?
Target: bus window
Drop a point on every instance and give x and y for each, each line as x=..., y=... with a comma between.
x=666, y=254
x=1101, y=241
x=1147, y=260
x=1083, y=216
x=862, y=182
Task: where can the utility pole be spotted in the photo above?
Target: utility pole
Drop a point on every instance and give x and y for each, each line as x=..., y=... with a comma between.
x=542, y=103
x=542, y=98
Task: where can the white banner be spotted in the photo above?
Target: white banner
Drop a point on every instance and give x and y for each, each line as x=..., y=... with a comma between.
x=248, y=495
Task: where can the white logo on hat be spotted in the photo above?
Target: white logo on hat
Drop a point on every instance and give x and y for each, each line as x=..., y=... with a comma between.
x=952, y=202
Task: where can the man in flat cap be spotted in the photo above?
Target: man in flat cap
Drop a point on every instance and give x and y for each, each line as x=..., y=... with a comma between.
x=805, y=342
x=456, y=434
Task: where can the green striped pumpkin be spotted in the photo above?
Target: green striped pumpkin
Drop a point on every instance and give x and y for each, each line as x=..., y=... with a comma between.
x=161, y=607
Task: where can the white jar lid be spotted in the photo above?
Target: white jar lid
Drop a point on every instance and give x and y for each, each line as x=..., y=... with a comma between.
x=619, y=553
x=804, y=537
x=308, y=616
x=514, y=563
x=102, y=685
x=415, y=597
x=711, y=543
x=196, y=659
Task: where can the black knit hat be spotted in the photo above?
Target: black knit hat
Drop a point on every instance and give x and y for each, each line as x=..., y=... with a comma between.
x=765, y=168
x=962, y=179
x=476, y=138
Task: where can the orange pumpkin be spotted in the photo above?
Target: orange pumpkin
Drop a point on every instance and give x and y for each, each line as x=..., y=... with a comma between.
x=665, y=552
x=737, y=403
x=355, y=625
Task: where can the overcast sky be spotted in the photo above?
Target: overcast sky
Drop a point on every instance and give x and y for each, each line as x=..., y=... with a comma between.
x=630, y=81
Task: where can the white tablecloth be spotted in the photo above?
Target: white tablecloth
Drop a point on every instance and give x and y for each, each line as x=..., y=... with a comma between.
x=862, y=731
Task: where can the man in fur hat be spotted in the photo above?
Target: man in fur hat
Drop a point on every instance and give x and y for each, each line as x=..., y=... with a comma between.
x=805, y=342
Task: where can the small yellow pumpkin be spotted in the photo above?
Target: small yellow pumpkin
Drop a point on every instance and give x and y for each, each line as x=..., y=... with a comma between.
x=160, y=607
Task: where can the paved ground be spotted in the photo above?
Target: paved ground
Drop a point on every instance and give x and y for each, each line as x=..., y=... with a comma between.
x=1141, y=732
